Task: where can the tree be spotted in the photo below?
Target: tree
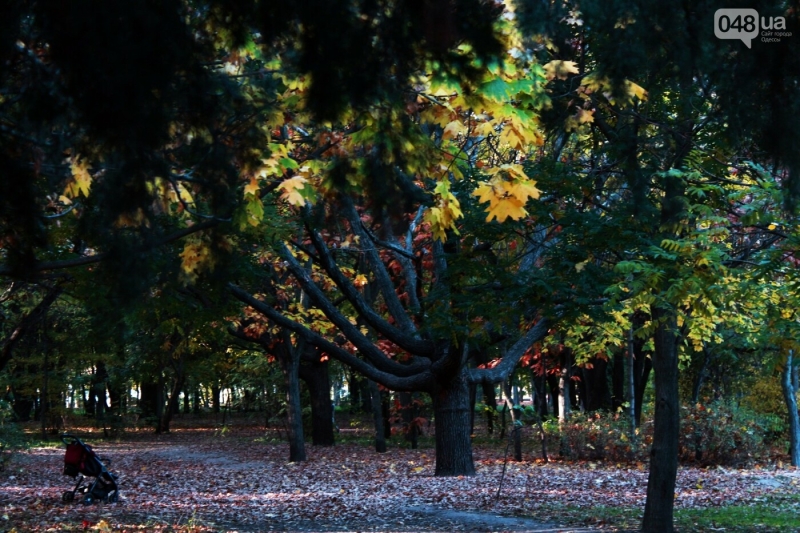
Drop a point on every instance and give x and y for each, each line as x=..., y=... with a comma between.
x=694, y=94
x=425, y=324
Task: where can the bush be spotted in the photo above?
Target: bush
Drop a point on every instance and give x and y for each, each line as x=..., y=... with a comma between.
x=718, y=434
x=598, y=436
x=723, y=433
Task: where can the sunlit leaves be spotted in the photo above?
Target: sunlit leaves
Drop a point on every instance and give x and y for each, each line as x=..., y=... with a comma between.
x=507, y=192
x=81, y=180
x=560, y=69
x=443, y=215
x=196, y=257
x=291, y=190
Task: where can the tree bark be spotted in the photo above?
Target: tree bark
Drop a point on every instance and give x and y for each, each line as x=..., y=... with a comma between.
x=790, y=396
x=595, y=381
x=215, y=399
x=642, y=365
x=658, y=512
x=377, y=416
x=512, y=403
x=317, y=378
x=451, y=422
x=174, y=394
x=409, y=415
x=539, y=386
x=290, y=366
x=490, y=399
x=618, y=380
x=563, y=387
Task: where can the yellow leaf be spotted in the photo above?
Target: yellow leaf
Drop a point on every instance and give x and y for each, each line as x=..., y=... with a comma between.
x=524, y=190
x=485, y=193
x=81, y=180
x=454, y=129
x=508, y=207
x=636, y=91
x=252, y=187
x=291, y=190
x=560, y=69
x=582, y=116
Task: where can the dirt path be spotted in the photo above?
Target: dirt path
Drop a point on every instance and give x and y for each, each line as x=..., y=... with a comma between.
x=238, y=483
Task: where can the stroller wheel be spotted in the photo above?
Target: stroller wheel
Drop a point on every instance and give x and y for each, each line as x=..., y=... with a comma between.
x=113, y=497
x=87, y=500
x=68, y=496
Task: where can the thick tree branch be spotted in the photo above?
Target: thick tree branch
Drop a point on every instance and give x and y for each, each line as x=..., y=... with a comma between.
x=511, y=358
x=350, y=331
x=26, y=324
x=406, y=341
x=419, y=381
x=379, y=270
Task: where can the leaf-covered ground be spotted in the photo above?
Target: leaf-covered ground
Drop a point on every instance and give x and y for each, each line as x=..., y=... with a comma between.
x=199, y=480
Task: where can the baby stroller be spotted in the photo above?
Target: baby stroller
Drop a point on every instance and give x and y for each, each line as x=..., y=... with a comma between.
x=80, y=461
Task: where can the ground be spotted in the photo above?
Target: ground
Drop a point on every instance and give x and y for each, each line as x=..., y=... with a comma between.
x=238, y=480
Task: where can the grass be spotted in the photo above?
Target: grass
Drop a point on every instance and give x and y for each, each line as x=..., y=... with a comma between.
x=778, y=513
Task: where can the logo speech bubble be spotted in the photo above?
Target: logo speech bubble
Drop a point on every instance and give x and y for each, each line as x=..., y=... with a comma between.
x=736, y=24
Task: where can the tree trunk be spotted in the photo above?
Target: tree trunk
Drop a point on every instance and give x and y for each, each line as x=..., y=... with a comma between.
x=172, y=405
x=552, y=384
x=490, y=399
x=539, y=388
x=630, y=363
x=473, y=402
x=377, y=416
x=196, y=402
x=641, y=374
x=172, y=401
x=409, y=415
x=215, y=398
x=99, y=391
x=618, y=380
x=595, y=380
x=148, y=399
x=290, y=366
x=658, y=512
x=317, y=378
x=701, y=377
x=386, y=411
x=512, y=403
x=563, y=387
x=451, y=412
x=790, y=395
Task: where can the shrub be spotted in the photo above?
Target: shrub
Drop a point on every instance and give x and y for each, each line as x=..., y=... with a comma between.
x=597, y=436
x=722, y=433
x=718, y=434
